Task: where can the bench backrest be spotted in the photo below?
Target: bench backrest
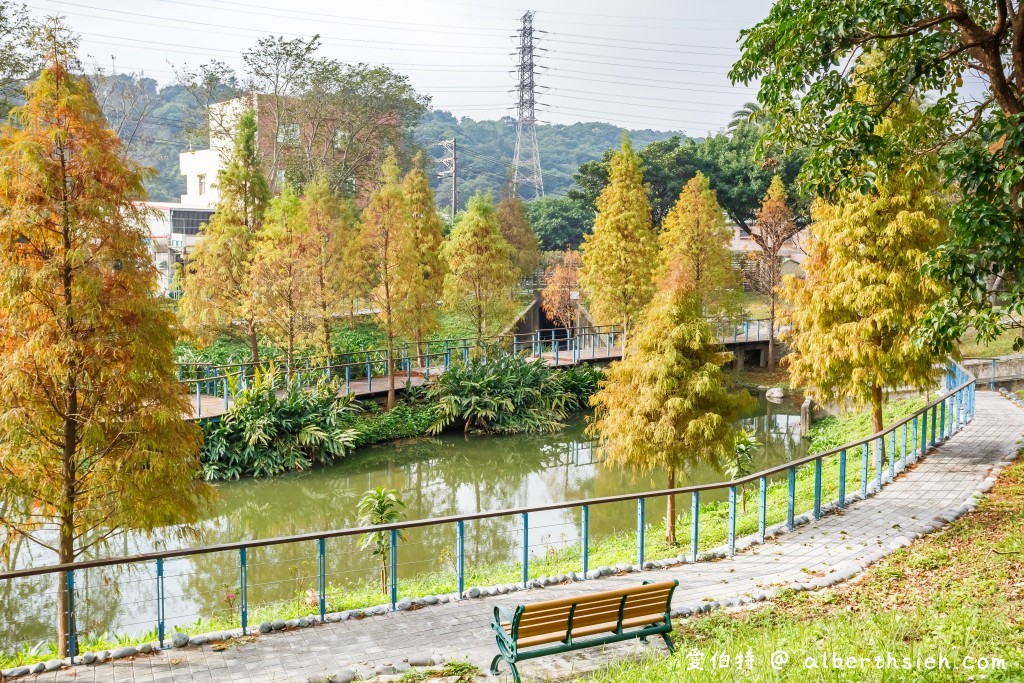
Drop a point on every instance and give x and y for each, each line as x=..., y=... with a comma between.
x=609, y=607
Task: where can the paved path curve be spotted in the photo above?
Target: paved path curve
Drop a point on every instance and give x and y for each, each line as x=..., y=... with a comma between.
x=837, y=545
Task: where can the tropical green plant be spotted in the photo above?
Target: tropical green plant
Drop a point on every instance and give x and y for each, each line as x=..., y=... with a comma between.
x=377, y=507
x=743, y=462
x=505, y=394
x=264, y=434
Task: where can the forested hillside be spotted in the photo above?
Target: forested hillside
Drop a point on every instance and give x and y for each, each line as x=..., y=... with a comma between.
x=486, y=148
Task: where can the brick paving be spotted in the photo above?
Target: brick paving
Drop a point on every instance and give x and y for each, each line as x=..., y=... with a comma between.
x=838, y=544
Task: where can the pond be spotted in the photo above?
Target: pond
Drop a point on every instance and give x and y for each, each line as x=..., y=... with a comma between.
x=452, y=474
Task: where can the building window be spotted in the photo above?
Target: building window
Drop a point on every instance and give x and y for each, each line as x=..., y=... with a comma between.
x=187, y=222
x=288, y=134
x=340, y=139
x=202, y=183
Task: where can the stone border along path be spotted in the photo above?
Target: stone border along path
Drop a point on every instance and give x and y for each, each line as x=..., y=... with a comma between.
x=937, y=490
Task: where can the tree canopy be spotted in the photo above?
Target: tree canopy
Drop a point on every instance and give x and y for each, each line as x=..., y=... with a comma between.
x=934, y=51
x=91, y=414
x=619, y=255
x=665, y=405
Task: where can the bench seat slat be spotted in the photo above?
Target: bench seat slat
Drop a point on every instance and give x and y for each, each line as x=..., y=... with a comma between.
x=591, y=630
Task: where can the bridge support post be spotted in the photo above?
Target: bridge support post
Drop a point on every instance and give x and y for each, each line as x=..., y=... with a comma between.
x=842, y=479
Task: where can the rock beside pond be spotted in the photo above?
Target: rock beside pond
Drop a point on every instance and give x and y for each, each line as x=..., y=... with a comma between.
x=37, y=668
x=89, y=658
x=266, y=627
x=473, y=592
x=119, y=653
x=145, y=648
x=179, y=639
x=198, y=640
x=404, y=604
x=775, y=392
x=278, y=624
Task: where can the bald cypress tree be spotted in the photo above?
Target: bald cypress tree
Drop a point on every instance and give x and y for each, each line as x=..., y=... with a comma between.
x=220, y=292
x=665, y=405
x=480, y=277
x=93, y=439
x=619, y=256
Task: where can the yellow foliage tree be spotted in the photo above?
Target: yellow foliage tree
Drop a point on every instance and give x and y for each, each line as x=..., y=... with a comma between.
x=480, y=277
x=385, y=223
x=516, y=229
x=218, y=279
x=695, y=251
x=284, y=274
x=665, y=406
x=337, y=266
x=863, y=294
x=619, y=255
x=93, y=439
x=420, y=277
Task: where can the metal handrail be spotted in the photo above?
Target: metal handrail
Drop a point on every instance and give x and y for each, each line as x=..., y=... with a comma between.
x=967, y=382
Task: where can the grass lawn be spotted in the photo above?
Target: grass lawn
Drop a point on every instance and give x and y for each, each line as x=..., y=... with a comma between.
x=957, y=593
x=1002, y=345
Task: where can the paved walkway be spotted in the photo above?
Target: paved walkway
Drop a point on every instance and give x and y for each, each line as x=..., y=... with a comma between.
x=837, y=545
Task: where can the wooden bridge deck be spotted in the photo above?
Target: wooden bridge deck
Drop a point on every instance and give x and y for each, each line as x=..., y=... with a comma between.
x=212, y=407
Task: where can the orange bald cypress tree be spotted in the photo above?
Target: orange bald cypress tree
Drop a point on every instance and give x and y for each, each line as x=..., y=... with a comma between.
x=92, y=438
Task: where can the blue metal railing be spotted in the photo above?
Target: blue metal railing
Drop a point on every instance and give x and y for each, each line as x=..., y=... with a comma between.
x=370, y=370
x=925, y=428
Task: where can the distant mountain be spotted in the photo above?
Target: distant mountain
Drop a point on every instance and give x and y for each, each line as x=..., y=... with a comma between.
x=486, y=148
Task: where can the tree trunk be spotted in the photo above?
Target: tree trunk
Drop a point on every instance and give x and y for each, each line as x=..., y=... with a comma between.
x=771, y=331
x=254, y=344
x=625, y=336
x=327, y=336
x=670, y=510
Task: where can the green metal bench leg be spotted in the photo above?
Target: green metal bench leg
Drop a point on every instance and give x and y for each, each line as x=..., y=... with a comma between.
x=668, y=642
x=511, y=665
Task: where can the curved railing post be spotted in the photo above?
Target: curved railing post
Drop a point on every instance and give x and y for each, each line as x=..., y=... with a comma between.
x=817, y=489
x=640, y=529
x=585, y=538
x=393, y=583
x=321, y=556
x=161, y=616
x=731, y=531
x=762, y=508
x=526, y=548
x=694, y=525
x=460, y=557
x=791, y=499
x=841, y=502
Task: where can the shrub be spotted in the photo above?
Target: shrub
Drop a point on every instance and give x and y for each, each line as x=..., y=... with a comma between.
x=505, y=394
x=265, y=433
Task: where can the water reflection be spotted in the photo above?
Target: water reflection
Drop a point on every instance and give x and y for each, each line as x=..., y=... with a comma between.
x=445, y=476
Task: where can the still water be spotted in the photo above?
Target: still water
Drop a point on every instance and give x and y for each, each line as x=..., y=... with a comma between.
x=449, y=475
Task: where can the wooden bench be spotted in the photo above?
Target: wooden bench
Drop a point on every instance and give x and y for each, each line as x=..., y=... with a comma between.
x=555, y=626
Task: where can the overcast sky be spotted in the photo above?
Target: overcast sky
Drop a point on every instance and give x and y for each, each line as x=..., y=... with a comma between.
x=640, y=64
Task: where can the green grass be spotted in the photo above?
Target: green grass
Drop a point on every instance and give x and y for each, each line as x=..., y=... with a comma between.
x=959, y=593
x=1002, y=345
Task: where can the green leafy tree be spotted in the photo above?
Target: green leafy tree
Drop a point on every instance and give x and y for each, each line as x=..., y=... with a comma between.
x=218, y=281
x=559, y=222
x=695, y=252
x=16, y=55
x=284, y=274
x=515, y=228
x=377, y=507
x=666, y=165
x=864, y=293
x=741, y=163
x=480, y=274
x=619, y=255
x=665, y=405
x=932, y=50
x=337, y=267
x=385, y=223
x=420, y=278
x=92, y=435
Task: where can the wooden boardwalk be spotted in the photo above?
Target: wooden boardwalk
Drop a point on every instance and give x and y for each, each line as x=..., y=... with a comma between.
x=206, y=407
